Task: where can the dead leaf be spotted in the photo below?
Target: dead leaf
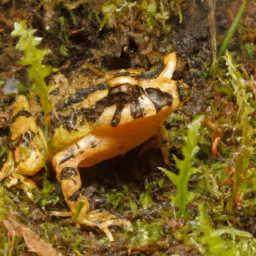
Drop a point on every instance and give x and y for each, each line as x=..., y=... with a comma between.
x=33, y=241
x=37, y=244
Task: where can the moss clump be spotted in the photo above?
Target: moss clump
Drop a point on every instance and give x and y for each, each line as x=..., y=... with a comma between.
x=150, y=13
x=217, y=242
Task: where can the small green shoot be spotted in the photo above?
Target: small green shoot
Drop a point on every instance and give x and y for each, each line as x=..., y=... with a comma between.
x=78, y=209
x=145, y=197
x=33, y=57
x=64, y=51
x=243, y=123
x=160, y=183
x=250, y=49
x=185, y=167
x=180, y=14
x=133, y=205
x=233, y=28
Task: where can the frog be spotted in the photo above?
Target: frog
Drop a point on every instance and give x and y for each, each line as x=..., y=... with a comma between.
x=125, y=109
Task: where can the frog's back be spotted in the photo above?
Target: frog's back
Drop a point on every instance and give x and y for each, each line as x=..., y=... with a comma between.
x=127, y=109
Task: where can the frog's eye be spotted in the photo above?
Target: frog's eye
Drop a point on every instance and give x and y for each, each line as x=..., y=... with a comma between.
x=159, y=98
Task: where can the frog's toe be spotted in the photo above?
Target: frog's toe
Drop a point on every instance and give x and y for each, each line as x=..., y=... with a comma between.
x=103, y=220
x=104, y=226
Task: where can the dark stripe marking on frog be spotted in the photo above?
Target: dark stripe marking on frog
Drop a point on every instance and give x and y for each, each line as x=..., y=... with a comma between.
x=83, y=93
x=25, y=113
x=151, y=73
x=119, y=96
x=127, y=94
x=67, y=172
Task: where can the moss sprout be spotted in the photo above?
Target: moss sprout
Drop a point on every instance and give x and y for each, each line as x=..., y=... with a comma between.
x=33, y=57
x=185, y=167
x=242, y=161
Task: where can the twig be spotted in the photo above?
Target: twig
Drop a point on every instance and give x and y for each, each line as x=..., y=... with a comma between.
x=211, y=20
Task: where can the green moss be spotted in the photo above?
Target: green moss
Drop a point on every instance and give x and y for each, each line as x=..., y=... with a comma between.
x=151, y=13
x=65, y=33
x=146, y=233
x=49, y=195
x=121, y=200
x=146, y=197
x=219, y=242
x=108, y=10
x=62, y=234
x=3, y=151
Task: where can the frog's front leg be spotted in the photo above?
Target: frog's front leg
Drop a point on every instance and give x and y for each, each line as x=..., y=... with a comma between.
x=66, y=165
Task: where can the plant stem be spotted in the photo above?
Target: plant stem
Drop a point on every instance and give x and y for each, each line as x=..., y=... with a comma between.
x=232, y=29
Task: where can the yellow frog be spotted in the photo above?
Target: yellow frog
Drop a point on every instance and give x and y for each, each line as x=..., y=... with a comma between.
x=108, y=119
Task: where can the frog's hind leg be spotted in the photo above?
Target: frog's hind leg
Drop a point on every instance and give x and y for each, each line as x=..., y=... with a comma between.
x=71, y=184
x=66, y=165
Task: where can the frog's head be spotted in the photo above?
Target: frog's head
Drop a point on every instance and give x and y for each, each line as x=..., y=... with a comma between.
x=160, y=87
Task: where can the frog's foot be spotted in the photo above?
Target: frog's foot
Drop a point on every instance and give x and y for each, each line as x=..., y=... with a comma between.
x=113, y=222
x=71, y=184
x=102, y=220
